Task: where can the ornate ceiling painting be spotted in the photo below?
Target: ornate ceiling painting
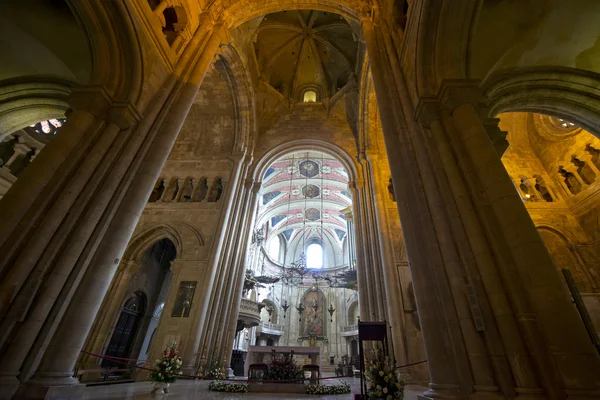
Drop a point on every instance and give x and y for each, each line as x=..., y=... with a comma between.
x=312, y=189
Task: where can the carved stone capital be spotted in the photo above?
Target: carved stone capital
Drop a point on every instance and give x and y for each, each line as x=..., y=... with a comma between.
x=96, y=100
x=496, y=135
x=453, y=93
x=124, y=115
x=428, y=111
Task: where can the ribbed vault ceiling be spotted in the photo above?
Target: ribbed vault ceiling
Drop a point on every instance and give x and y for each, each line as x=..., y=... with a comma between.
x=300, y=49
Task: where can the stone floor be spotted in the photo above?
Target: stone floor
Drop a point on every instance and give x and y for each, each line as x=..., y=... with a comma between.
x=185, y=389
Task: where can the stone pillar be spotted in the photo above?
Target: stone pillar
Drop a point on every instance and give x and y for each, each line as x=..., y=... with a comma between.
x=561, y=351
x=505, y=341
x=427, y=265
x=389, y=281
x=251, y=200
x=218, y=264
x=64, y=348
x=363, y=292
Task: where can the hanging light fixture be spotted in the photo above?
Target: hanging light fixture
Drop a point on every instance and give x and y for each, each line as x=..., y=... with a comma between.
x=285, y=307
x=331, y=311
x=300, y=309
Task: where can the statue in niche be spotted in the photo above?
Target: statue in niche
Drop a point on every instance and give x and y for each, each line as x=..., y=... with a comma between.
x=157, y=192
x=171, y=191
x=390, y=189
x=540, y=186
x=570, y=180
x=585, y=172
x=7, y=149
x=188, y=190
x=525, y=187
x=201, y=190
x=21, y=163
x=215, y=191
x=595, y=153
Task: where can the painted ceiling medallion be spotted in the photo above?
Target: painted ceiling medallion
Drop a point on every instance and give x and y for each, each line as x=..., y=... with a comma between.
x=311, y=191
x=309, y=168
x=312, y=214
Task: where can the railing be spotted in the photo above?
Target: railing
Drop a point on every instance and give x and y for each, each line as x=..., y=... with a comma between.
x=349, y=330
x=249, y=306
x=273, y=329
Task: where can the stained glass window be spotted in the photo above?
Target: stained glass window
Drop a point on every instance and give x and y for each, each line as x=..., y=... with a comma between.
x=47, y=127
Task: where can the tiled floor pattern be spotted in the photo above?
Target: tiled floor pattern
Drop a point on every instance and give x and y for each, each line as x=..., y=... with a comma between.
x=185, y=389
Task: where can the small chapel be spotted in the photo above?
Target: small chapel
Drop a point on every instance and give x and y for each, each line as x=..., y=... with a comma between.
x=337, y=199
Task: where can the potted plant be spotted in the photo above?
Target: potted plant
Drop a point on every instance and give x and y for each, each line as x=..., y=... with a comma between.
x=167, y=369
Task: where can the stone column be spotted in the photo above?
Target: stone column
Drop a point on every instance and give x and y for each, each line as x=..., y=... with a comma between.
x=202, y=329
x=64, y=348
x=446, y=355
x=363, y=292
x=505, y=341
x=554, y=332
x=251, y=188
x=389, y=280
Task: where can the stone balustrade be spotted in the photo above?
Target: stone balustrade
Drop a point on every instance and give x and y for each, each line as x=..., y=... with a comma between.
x=269, y=329
x=349, y=330
x=184, y=190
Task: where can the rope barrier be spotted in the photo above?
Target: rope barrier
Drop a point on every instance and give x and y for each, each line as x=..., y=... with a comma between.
x=118, y=360
x=411, y=364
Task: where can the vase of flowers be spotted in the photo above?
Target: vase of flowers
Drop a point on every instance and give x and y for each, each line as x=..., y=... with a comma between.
x=382, y=380
x=166, y=369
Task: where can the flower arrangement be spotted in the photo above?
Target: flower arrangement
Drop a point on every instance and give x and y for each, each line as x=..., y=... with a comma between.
x=382, y=381
x=342, y=388
x=283, y=370
x=216, y=372
x=168, y=367
x=219, y=386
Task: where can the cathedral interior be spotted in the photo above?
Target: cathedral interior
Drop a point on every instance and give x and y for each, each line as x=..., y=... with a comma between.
x=234, y=174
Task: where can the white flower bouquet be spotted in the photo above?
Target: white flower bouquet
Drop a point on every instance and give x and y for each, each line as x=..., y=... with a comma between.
x=168, y=367
x=342, y=388
x=382, y=380
x=219, y=386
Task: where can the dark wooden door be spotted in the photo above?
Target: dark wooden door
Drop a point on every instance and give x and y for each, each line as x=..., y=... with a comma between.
x=125, y=332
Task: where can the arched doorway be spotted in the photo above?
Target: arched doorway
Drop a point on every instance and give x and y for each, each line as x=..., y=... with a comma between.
x=142, y=298
x=126, y=329
x=306, y=277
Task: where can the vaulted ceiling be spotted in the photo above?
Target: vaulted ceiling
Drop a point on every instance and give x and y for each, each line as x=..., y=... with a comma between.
x=306, y=49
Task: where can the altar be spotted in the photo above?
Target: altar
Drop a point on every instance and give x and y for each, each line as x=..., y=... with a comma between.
x=259, y=354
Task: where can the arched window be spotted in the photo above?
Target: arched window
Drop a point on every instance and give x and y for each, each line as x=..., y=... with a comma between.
x=310, y=96
x=314, y=256
x=274, y=247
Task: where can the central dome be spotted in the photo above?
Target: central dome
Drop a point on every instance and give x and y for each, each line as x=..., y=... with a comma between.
x=303, y=51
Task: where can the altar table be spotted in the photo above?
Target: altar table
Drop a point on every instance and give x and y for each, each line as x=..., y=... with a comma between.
x=265, y=351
